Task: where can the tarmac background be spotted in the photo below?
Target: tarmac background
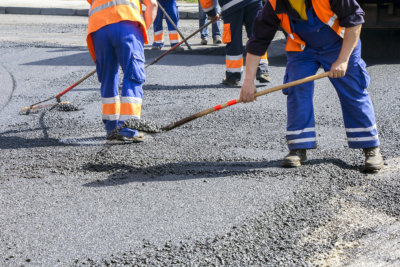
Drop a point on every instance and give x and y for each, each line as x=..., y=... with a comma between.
x=209, y=192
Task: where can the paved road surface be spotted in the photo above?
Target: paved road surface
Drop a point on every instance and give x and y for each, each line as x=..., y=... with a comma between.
x=208, y=192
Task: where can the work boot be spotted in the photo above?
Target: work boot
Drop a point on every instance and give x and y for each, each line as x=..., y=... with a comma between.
x=115, y=135
x=217, y=40
x=230, y=82
x=262, y=77
x=203, y=41
x=294, y=158
x=373, y=159
x=155, y=47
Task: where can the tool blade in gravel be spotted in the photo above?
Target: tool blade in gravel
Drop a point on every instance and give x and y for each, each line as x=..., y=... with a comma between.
x=66, y=106
x=143, y=126
x=62, y=106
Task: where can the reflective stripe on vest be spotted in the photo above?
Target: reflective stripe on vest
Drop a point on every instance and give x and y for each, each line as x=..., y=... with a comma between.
x=323, y=11
x=105, y=12
x=114, y=3
x=230, y=4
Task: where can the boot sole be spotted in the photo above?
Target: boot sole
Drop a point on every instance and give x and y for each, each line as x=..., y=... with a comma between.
x=286, y=164
x=373, y=169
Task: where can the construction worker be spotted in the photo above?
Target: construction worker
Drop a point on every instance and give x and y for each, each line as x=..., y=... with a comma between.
x=174, y=38
x=325, y=34
x=235, y=13
x=117, y=32
x=216, y=27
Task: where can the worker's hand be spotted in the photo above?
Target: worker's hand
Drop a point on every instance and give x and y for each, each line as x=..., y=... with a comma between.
x=150, y=13
x=215, y=18
x=247, y=92
x=338, y=68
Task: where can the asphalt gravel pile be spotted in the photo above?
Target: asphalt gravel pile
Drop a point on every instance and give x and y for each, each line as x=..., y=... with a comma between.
x=143, y=125
x=67, y=107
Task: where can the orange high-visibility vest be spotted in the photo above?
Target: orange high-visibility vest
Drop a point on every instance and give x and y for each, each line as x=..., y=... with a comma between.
x=324, y=12
x=105, y=12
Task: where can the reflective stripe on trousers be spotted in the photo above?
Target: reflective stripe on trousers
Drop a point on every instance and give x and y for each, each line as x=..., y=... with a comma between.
x=120, y=44
x=357, y=109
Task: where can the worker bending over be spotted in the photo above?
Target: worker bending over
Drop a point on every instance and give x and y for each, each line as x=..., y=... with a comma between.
x=321, y=33
x=116, y=36
x=235, y=13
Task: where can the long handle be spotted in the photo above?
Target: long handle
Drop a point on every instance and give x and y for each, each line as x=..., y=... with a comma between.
x=181, y=42
x=173, y=24
x=235, y=101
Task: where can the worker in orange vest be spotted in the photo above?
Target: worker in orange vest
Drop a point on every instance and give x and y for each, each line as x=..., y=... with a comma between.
x=235, y=14
x=117, y=32
x=323, y=33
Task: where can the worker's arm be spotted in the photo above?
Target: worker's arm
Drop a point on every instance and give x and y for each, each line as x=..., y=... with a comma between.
x=249, y=88
x=264, y=28
x=350, y=39
x=150, y=13
x=350, y=16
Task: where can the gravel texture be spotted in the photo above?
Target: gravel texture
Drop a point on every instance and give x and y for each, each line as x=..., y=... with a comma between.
x=210, y=192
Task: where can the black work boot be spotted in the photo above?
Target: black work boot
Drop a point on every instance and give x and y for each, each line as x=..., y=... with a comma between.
x=232, y=78
x=294, y=158
x=230, y=82
x=373, y=159
x=262, y=77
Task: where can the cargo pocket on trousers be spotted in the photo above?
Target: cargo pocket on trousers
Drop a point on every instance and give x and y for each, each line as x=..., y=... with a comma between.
x=364, y=79
x=226, y=34
x=136, y=68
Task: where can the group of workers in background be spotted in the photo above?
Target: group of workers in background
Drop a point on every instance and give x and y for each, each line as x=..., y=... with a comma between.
x=322, y=33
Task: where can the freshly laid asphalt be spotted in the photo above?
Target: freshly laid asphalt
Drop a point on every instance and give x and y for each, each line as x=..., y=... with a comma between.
x=210, y=192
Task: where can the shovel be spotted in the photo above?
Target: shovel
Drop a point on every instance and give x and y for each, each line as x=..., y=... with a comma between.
x=150, y=127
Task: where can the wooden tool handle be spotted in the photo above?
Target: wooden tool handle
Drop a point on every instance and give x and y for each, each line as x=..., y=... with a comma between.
x=178, y=44
x=235, y=101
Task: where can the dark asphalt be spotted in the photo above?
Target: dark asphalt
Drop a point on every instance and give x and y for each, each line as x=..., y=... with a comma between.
x=210, y=192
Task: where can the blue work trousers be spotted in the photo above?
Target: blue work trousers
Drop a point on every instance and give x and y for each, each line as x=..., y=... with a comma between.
x=357, y=109
x=120, y=44
x=172, y=11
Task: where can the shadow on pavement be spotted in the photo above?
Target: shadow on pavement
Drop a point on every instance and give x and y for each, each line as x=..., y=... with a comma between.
x=170, y=172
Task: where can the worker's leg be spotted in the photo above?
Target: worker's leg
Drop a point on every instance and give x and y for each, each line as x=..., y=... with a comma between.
x=300, y=111
x=107, y=73
x=172, y=11
x=357, y=109
x=232, y=37
x=130, y=53
x=202, y=21
x=216, y=27
x=250, y=12
x=158, y=27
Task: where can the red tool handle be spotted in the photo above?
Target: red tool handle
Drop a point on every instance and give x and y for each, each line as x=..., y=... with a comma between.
x=235, y=101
